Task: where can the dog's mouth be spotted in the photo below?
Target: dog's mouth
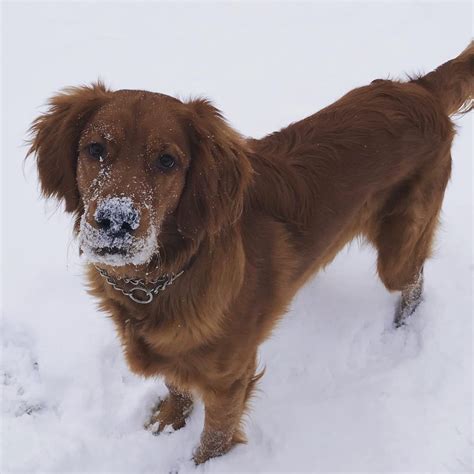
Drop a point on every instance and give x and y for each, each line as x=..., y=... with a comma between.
x=137, y=252
x=102, y=251
x=100, y=248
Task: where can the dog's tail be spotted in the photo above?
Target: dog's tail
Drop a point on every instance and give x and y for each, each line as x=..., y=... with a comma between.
x=453, y=82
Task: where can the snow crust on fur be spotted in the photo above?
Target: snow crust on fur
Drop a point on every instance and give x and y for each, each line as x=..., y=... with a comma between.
x=140, y=251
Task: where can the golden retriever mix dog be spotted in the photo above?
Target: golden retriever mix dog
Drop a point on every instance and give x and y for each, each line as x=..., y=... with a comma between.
x=197, y=238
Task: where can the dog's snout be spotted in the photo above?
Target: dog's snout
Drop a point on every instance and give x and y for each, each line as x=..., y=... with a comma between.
x=117, y=216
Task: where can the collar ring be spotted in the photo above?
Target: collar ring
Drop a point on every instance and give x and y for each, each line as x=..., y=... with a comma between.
x=148, y=295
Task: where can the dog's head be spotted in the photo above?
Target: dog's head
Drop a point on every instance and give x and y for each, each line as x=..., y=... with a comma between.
x=141, y=171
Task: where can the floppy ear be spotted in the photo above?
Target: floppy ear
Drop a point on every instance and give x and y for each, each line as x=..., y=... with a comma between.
x=55, y=140
x=219, y=173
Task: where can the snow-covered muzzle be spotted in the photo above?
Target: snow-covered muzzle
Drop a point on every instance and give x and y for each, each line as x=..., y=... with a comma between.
x=110, y=239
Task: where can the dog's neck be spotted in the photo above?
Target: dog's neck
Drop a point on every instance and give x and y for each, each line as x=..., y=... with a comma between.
x=143, y=283
x=146, y=283
x=213, y=278
x=138, y=290
x=189, y=264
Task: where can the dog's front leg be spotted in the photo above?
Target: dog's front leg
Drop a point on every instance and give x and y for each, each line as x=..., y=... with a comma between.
x=171, y=411
x=223, y=411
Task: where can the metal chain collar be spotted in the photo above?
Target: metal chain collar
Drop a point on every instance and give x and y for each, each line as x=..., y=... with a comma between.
x=139, y=292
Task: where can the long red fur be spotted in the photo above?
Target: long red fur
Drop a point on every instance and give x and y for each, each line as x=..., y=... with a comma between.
x=254, y=219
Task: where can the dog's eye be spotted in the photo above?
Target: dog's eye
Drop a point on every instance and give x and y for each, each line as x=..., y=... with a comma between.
x=96, y=150
x=166, y=162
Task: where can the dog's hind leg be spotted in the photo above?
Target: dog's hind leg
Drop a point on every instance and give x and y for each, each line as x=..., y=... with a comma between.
x=405, y=233
x=410, y=298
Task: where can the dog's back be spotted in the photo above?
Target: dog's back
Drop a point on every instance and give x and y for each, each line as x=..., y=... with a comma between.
x=374, y=163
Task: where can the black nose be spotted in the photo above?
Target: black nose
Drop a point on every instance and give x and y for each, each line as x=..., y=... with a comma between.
x=117, y=216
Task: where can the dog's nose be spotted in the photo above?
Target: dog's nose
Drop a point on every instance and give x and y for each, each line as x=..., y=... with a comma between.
x=117, y=216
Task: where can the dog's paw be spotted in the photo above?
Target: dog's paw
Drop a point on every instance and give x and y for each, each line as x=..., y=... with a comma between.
x=201, y=455
x=405, y=310
x=213, y=445
x=168, y=416
x=410, y=299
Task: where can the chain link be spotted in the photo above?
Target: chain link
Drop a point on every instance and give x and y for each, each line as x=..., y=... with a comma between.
x=139, y=286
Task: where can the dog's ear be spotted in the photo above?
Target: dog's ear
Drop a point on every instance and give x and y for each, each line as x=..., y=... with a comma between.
x=219, y=173
x=55, y=140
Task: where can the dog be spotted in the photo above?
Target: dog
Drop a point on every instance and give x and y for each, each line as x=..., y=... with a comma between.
x=197, y=238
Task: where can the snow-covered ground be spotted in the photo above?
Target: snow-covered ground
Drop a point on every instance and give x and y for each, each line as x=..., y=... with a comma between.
x=343, y=391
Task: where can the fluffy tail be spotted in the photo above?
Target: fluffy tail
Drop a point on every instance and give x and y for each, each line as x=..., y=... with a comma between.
x=453, y=82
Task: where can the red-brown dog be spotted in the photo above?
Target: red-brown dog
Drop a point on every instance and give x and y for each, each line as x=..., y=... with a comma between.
x=197, y=238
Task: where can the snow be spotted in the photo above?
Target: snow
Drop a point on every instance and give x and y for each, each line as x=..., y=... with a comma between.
x=343, y=391
x=138, y=250
x=117, y=210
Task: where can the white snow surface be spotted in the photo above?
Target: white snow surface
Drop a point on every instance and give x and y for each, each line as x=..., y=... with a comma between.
x=343, y=391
